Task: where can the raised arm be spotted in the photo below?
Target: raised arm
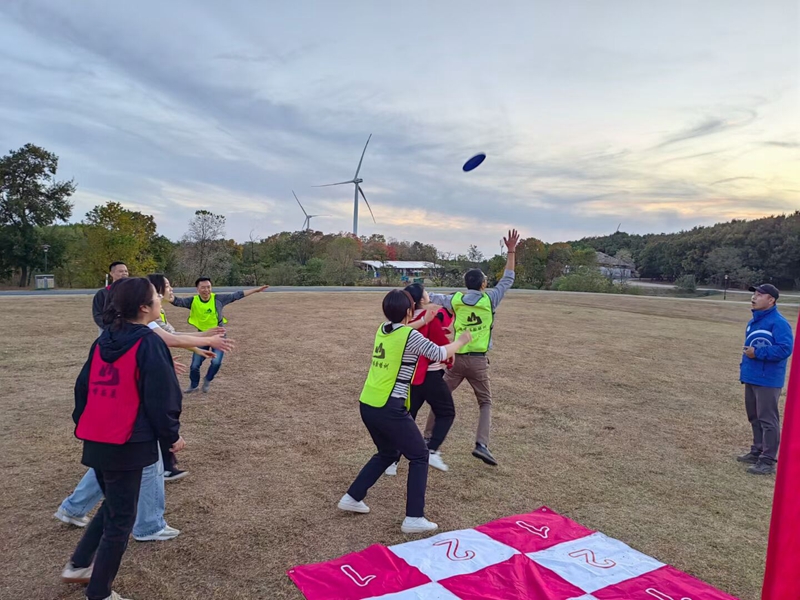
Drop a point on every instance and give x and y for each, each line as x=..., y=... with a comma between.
x=507, y=280
x=252, y=291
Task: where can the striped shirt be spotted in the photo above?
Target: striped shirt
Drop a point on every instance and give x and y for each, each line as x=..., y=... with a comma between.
x=417, y=345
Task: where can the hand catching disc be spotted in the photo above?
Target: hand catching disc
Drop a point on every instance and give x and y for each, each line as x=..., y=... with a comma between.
x=474, y=162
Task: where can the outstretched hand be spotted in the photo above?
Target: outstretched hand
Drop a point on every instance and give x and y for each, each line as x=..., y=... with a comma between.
x=512, y=240
x=213, y=331
x=180, y=369
x=220, y=343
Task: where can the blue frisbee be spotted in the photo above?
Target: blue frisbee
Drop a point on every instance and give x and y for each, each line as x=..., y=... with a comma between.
x=474, y=162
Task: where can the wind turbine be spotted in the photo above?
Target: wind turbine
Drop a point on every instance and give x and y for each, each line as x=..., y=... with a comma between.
x=356, y=181
x=307, y=222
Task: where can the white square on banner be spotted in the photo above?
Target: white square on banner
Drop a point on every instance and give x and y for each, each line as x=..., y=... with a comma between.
x=584, y=597
x=594, y=562
x=429, y=591
x=453, y=553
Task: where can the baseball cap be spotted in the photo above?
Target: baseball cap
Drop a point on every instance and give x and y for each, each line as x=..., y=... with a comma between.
x=766, y=288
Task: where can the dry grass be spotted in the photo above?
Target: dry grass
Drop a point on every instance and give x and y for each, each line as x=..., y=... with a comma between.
x=621, y=413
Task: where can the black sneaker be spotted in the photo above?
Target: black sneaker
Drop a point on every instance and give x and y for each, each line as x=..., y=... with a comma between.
x=175, y=475
x=762, y=467
x=750, y=458
x=483, y=453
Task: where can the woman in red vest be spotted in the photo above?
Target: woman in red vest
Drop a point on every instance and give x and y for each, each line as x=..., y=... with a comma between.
x=127, y=397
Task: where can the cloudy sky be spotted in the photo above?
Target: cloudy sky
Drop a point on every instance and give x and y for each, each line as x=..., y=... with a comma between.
x=657, y=115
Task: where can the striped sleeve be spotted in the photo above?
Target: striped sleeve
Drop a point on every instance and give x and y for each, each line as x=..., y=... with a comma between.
x=419, y=345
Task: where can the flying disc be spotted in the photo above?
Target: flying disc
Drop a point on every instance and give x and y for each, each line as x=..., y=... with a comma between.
x=474, y=162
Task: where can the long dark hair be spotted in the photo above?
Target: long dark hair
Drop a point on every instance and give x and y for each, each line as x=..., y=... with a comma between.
x=159, y=282
x=416, y=290
x=125, y=297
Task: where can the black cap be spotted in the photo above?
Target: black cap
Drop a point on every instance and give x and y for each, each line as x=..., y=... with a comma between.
x=766, y=288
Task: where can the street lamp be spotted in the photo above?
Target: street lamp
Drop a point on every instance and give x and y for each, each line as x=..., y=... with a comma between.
x=725, y=289
x=45, y=247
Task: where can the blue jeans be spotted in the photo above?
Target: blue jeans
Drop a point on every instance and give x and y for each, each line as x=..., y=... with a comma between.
x=150, y=510
x=197, y=360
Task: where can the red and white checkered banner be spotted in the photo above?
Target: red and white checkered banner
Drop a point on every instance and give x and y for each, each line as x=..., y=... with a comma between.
x=539, y=555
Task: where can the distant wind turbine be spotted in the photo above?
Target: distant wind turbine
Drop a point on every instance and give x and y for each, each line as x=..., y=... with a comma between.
x=356, y=181
x=307, y=222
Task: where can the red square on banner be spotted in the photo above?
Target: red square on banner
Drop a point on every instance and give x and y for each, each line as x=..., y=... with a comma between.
x=534, y=531
x=518, y=577
x=371, y=572
x=666, y=583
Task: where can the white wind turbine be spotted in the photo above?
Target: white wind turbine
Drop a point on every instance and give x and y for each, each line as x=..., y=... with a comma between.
x=307, y=222
x=356, y=181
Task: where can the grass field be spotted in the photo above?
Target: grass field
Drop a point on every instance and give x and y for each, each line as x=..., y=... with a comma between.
x=622, y=413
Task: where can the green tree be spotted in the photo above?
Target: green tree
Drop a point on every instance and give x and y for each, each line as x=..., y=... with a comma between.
x=112, y=233
x=30, y=198
x=339, y=263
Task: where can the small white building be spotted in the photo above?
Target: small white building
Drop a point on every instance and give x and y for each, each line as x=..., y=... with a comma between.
x=406, y=268
x=611, y=266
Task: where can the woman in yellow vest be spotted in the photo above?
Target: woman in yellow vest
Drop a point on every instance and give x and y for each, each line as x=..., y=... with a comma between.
x=384, y=408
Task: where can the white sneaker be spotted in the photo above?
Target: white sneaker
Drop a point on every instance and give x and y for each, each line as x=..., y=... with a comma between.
x=70, y=520
x=114, y=596
x=349, y=503
x=165, y=534
x=435, y=460
x=391, y=470
x=72, y=574
x=417, y=525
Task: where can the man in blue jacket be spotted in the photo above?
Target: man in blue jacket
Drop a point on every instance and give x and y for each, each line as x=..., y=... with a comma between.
x=767, y=347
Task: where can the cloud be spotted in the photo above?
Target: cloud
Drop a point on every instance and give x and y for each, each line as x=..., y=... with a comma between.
x=790, y=145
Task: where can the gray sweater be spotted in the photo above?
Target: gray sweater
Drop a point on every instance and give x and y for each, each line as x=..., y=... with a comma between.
x=220, y=300
x=471, y=297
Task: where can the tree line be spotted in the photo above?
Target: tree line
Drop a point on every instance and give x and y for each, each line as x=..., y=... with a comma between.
x=35, y=235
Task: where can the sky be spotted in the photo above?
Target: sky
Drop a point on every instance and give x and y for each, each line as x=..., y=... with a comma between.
x=658, y=116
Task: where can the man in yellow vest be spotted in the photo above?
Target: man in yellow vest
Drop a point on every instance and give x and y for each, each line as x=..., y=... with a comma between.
x=205, y=312
x=474, y=312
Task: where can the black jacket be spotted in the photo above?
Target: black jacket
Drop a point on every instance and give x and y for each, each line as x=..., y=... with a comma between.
x=159, y=393
x=98, y=306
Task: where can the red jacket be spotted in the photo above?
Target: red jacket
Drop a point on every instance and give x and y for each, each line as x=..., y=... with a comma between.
x=435, y=333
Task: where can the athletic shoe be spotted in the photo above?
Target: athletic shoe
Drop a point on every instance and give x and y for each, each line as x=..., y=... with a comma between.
x=417, y=525
x=351, y=504
x=750, y=458
x=190, y=390
x=483, y=453
x=175, y=475
x=67, y=518
x=762, y=467
x=206, y=385
x=435, y=460
x=165, y=534
x=73, y=574
x=391, y=470
x=114, y=596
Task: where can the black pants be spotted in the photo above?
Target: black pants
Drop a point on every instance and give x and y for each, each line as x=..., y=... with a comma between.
x=761, y=404
x=394, y=433
x=106, y=537
x=167, y=457
x=435, y=392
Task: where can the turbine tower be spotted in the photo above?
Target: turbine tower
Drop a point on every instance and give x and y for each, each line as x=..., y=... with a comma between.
x=356, y=181
x=307, y=222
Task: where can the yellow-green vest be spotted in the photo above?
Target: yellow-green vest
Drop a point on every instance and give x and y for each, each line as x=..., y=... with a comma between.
x=478, y=320
x=387, y=358
x=203, y=315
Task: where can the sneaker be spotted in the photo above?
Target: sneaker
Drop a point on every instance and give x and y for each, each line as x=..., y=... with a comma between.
x=190, y=390
x=483, y=453
x=114, y=596
x=73, y=574
x=206, y=385
x=391, y=470
x=351, y=504
x=175, y=475
x=165, y=534
x=435, y=460
x=417, y=525
x=750, y=458
x=67, y=518
x=762, y=467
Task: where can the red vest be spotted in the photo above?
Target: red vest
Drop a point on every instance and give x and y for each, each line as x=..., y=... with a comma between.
x=113, y=400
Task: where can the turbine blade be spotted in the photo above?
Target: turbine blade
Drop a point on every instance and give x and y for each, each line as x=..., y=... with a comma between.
x=362, y=156
x=367, y=201
x=298, y=201
x=330, y=184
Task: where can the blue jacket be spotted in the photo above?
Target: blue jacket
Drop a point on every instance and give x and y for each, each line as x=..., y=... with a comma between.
x=771, y=335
